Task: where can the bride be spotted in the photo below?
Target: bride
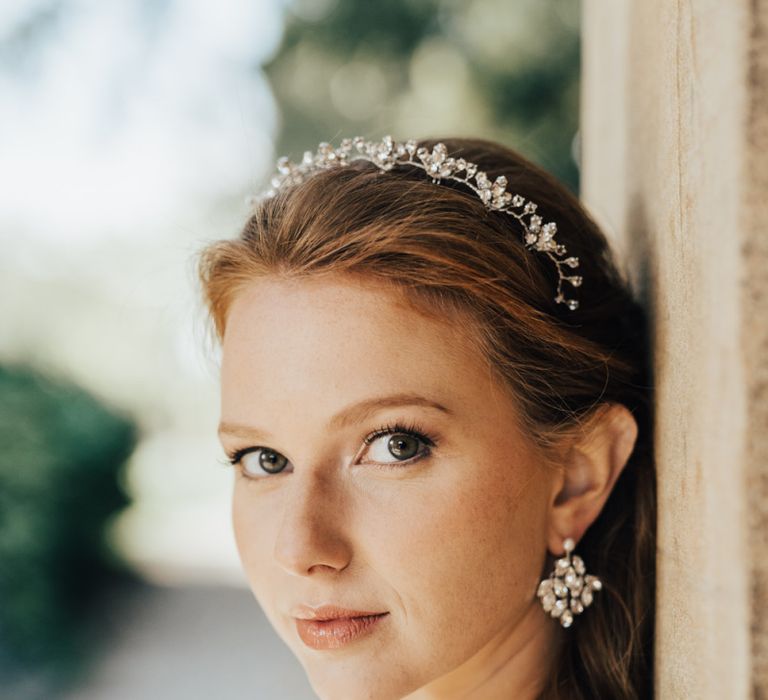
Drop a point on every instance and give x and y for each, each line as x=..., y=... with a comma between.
x=435, y=394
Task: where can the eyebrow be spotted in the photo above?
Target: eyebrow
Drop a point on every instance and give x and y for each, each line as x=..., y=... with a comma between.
x=356, y=413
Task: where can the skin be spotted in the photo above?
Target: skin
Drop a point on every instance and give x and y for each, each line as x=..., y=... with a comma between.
x=452, y=545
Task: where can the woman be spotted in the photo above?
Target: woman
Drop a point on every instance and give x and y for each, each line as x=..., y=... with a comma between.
x=445, y=485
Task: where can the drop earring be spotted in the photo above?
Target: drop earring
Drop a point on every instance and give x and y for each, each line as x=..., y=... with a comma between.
x=569, y=589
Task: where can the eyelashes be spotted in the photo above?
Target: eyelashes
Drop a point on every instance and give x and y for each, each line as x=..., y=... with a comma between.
x=411, y=429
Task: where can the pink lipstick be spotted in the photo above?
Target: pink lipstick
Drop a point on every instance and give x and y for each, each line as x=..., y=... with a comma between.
x=331, y=627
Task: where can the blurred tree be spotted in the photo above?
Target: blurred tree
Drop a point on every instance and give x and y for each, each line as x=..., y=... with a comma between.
x=498, y=69
x=60, y=460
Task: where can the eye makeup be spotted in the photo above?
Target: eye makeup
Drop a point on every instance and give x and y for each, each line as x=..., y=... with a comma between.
x=409, y=428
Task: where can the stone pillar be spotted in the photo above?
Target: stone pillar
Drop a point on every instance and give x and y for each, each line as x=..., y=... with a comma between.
x=674, y=150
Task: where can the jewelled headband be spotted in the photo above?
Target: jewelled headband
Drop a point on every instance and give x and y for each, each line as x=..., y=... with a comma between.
x=388, y=153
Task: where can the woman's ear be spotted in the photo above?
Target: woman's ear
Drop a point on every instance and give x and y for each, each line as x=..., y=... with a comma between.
x=589, y=471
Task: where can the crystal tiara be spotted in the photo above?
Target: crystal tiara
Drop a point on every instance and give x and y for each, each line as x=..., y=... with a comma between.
x=388, y=153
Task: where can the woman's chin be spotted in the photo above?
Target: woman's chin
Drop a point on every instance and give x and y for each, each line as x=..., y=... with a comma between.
x=360, y=678
x=354, y=687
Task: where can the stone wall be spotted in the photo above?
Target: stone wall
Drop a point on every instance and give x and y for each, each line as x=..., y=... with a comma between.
x=674, y=150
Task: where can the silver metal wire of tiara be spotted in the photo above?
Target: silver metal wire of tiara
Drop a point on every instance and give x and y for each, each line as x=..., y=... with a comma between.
x=388, y=153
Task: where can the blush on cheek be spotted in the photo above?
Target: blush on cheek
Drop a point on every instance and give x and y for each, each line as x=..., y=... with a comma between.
x=253, y=540
x=471, y=554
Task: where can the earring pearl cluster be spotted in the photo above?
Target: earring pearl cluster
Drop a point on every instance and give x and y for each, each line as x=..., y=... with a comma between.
x=569, y=589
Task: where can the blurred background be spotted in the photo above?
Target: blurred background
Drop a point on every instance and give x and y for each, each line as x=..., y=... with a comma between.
x=131, y=133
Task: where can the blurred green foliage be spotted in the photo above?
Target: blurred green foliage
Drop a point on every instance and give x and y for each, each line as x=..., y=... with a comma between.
x=61, y=452
x=506, y=70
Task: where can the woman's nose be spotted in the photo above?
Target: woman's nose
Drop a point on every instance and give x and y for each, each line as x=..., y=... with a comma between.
x=311, y=536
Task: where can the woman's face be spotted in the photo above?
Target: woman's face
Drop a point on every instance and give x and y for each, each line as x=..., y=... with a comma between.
x=443, y=529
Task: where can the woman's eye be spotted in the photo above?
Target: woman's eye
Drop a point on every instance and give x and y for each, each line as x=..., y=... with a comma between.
x=389, y=446
x=261, y=461
x=396, y=447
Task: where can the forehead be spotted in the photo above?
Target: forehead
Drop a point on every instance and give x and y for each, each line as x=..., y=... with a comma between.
x=340, y=338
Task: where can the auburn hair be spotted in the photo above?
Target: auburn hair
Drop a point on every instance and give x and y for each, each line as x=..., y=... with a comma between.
x=455, y=259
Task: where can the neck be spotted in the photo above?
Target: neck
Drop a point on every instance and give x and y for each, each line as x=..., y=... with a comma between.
x=516, y=663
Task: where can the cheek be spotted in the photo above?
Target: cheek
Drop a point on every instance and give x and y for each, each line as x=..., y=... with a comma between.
x=254, y=539
x=464, y=554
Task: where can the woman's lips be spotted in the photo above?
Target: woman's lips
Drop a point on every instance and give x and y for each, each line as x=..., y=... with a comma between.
x=334, y=633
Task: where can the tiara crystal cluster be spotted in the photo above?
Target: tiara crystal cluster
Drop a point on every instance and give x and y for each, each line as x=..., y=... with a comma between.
x=569, y=589
x=386, y=154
